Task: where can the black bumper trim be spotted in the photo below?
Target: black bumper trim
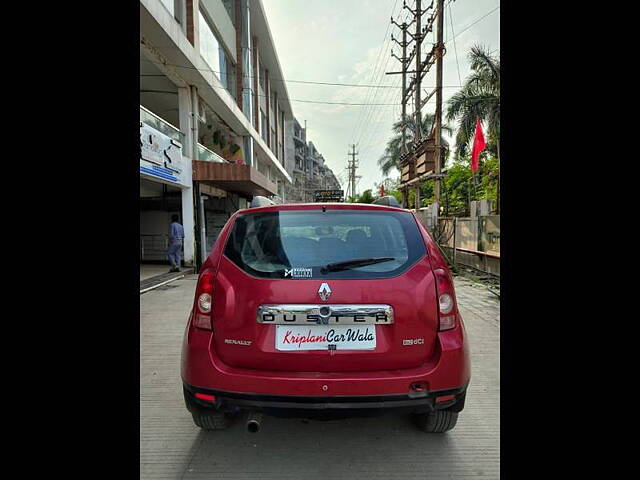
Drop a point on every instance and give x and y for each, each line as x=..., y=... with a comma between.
x=260, y=401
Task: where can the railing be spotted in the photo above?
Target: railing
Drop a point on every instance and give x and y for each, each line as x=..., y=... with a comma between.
x=298, y=138
x=207, y=155
x=154, y=247
x=161, y=125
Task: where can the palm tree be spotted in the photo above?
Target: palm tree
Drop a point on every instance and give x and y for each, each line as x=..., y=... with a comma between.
x=479, y=97
x=391, y=156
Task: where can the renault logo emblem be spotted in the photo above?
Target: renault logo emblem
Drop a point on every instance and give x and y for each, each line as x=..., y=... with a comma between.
x=324, y=291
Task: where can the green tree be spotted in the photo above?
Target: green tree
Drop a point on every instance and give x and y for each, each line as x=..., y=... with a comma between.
x=479, y=97
x=459, y=186
x=391, y=155
x=365, y=197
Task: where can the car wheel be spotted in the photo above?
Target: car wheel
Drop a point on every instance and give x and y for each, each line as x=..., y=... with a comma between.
x=437, y=421
x=211, y=420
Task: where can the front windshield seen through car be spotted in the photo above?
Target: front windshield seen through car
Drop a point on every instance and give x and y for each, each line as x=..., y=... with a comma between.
x=298, y=244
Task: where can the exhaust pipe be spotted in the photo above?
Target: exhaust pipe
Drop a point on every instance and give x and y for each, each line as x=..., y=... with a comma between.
x=254, y=422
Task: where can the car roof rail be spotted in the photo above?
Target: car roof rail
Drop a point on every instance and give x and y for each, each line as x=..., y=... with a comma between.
x=259, y=201
x=387, y=200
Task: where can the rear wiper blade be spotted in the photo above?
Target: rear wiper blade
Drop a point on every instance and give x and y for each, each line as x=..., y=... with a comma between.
x=357, y=262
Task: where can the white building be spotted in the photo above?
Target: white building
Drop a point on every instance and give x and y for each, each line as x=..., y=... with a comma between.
x=213, y=116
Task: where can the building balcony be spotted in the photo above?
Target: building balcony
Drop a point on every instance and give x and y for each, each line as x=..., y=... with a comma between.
x=206, y=155
x=154, y=121
x=298, y=141
x=233, y=177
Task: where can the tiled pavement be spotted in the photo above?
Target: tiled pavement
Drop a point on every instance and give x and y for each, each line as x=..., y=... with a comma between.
x=384, y=447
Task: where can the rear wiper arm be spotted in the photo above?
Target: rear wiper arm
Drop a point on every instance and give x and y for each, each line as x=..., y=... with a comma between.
x=357, y=262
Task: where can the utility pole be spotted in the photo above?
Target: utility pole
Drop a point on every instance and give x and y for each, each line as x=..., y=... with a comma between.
x=306, y=160
x=417, y=136
x=418, y=38
x=424, y=148
x=404, y=63
x=438, y=115
x=352, y=165
x=404, y=87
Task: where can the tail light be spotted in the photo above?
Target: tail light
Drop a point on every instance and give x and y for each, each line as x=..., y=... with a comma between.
x=447, y=310
x=204, y=301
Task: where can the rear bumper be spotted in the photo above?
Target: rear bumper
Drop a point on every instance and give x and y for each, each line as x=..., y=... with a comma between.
x=293, y=405
x=449, y=369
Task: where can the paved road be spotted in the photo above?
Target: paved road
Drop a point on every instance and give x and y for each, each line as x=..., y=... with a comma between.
x=374, y=448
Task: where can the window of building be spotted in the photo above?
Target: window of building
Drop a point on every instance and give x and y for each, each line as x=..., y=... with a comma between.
x=214, y=54
x=281, y=126
x=273, y=111
x=262, y=76
x=229, y=5
x=263, y=126
x=209, y=46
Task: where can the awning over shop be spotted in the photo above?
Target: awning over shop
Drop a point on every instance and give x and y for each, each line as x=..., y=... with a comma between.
x=242, y=179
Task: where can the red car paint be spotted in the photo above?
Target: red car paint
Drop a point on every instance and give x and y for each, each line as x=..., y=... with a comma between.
x=441, y=362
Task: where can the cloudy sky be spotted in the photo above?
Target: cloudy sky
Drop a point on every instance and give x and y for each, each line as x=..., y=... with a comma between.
x=343, y=41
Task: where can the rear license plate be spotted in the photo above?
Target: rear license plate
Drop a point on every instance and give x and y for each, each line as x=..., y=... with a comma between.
x=325, y=337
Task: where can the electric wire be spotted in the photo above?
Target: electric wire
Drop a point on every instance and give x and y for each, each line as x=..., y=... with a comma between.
x=310, y=82
x=365, y=148
x=476, y=21
x=367, y=118
x=455, y=48
x=222, y=87
x=383, y=48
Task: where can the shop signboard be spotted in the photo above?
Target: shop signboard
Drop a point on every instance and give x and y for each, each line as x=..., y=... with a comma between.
x=160, y=155
x=328, y=195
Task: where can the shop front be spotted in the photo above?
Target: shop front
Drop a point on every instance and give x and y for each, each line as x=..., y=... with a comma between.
x=165, y=191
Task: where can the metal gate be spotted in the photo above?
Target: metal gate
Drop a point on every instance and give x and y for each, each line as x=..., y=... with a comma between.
x=154, y=248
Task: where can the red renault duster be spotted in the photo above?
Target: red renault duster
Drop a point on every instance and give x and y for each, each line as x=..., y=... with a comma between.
x=325, y=311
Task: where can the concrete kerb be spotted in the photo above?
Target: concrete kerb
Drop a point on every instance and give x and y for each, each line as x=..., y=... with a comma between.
x=164, y=279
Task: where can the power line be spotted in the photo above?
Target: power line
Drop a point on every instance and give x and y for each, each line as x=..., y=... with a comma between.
x=310, y=82
x=471, y=25
x=386, y=44
x=367, y=139
x=270, y=78
x=222, y=87
x=368, y=123
x=455, y=48
x=364, y=149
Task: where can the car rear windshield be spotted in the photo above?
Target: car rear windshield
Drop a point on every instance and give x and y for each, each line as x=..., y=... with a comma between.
x=314, y=244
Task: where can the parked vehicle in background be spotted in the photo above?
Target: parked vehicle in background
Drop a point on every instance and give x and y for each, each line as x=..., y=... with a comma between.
x=325, y=311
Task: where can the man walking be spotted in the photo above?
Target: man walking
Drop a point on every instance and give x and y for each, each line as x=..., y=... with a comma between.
x=176, y=235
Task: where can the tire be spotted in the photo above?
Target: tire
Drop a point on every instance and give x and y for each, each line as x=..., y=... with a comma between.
x=211, y=420
x=438, y=421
